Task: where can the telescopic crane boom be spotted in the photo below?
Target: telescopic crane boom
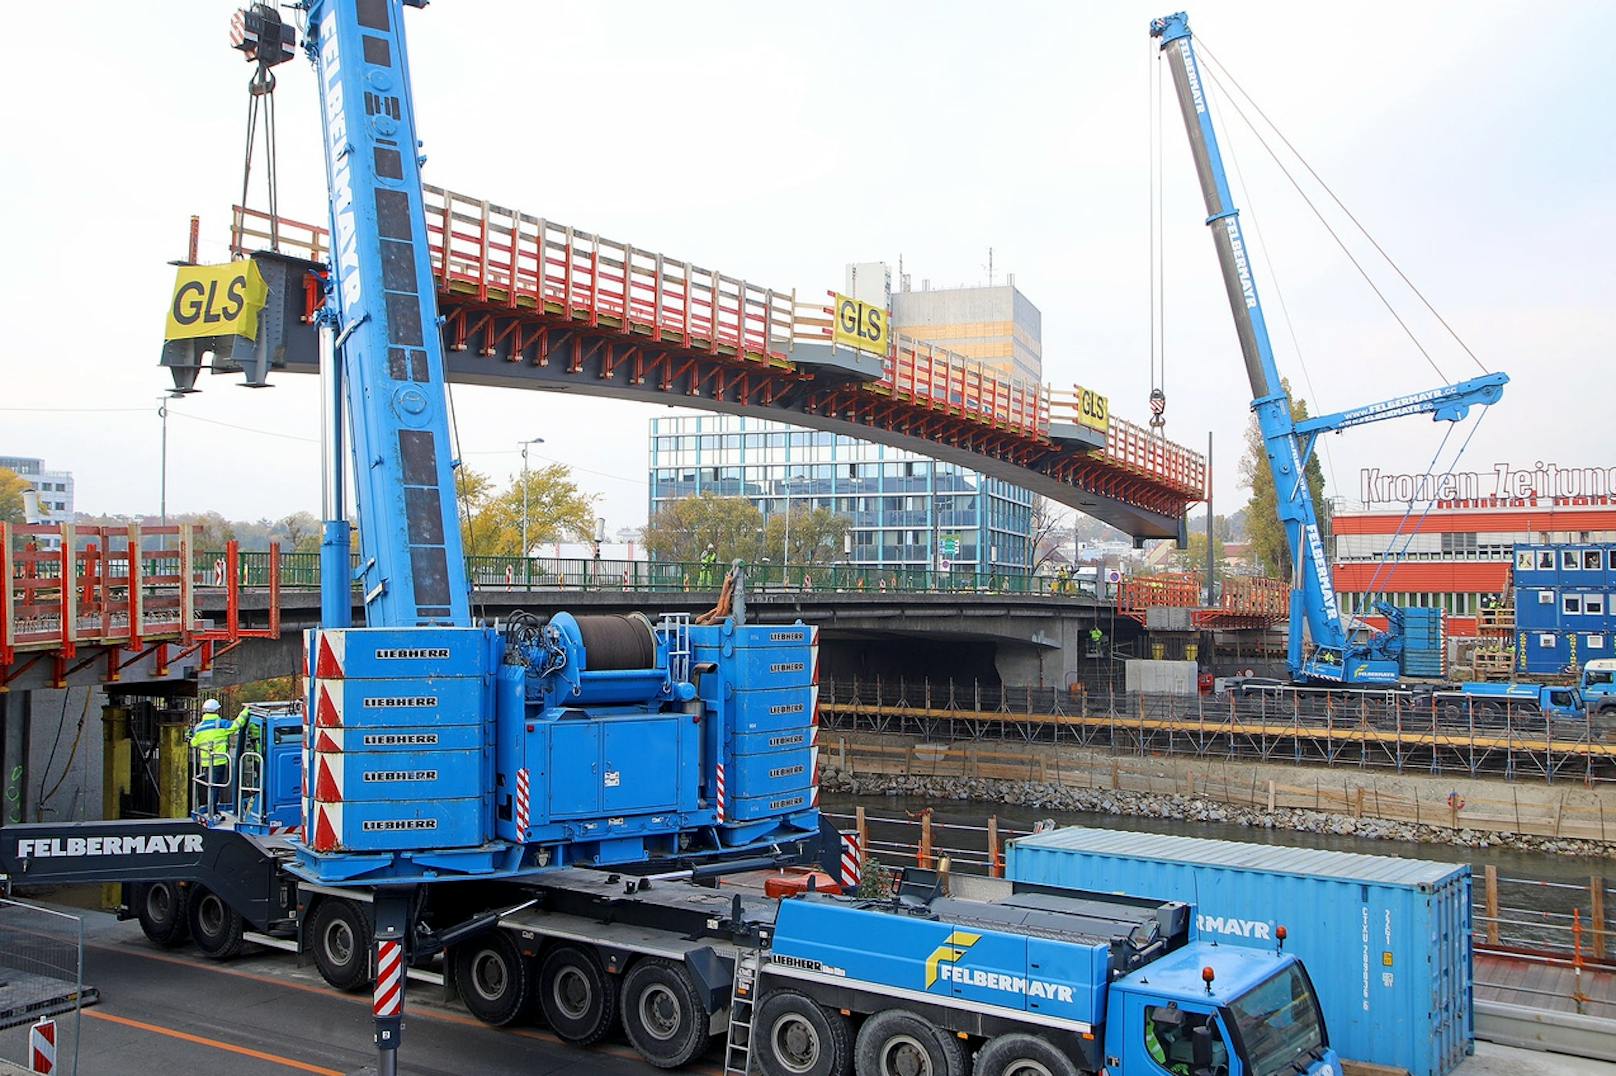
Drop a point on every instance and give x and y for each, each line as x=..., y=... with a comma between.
x=1336, y=656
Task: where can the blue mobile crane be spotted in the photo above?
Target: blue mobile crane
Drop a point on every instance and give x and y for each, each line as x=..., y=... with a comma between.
x=536, y=800
x=1338, y=656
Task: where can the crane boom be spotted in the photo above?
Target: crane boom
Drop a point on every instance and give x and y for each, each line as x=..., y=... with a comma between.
x=389, y=348
x=1288, y=444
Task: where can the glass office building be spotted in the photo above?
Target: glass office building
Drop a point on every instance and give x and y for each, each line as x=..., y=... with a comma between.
x=904, y=509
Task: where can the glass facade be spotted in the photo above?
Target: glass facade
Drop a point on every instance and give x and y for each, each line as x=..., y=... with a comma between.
x=902, y=508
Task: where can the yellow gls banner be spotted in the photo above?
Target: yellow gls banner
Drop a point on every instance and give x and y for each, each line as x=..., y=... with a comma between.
x=216, y=300
x=860, y=325
x=1093, y=409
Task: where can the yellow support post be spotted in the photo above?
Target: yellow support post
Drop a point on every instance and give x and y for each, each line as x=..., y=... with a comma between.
x=173, y=768
x=117, y=761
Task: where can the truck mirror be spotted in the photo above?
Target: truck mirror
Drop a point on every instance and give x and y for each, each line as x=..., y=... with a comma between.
x=1201, y=1049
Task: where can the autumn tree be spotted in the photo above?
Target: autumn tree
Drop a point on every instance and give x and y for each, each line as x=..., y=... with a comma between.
x=1048, y=530
x=681, y=530
x=298, y=533
x=816, y=536
x=1269, y=545
x=491, y=519
x=12, y=485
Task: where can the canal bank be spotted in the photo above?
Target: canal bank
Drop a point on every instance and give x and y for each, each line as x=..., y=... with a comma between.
x=1561, y=818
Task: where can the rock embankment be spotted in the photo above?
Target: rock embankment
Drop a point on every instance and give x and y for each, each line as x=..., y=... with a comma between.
x=1036, y=795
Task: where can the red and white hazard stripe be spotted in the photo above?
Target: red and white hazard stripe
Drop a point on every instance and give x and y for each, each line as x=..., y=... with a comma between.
x=719, y=784
x=327, y=835
x=389, y=997
x=218, y=572
x=42, y=1046
x=521, y=805
x=813, y=654
x=852, y=861
x=328, y=779
x=328, y=704
x=329, y=740
x=333, y=654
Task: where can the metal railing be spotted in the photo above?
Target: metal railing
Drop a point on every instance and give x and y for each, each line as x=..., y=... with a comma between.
x=301, y=571
x=42, y=952
x=1388, y=729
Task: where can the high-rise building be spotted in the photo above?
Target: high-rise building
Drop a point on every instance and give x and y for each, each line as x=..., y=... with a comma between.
x=904, y=510
x=55, y=488
x=996, y=325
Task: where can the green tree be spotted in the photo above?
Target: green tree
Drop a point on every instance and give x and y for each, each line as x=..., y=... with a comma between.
x=1193, y=558
x=209, y=530
x=491, y=520
x=682, y=529
x=816, y=536
x=12, y=485
x=1269, y=545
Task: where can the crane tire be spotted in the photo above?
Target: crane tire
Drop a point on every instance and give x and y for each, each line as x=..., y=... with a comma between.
x=493, y=977
x=794, y=1035
x=164, y=917
x=899, y=1043
x=1018, y=1054
x=578, y=998
x=218, y=929
x=663, y=1015
x=338, y=939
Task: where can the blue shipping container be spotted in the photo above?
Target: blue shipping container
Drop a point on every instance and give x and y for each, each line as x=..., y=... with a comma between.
x=1386, y=941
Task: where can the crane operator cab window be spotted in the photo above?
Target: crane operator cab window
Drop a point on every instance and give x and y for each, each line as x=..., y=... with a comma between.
x=1170, y=1040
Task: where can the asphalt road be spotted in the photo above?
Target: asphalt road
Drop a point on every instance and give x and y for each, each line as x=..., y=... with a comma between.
x=175, y=1013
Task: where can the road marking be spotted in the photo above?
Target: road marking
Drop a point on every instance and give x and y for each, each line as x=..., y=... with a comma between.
x=416, y=1012
x=185, y=1036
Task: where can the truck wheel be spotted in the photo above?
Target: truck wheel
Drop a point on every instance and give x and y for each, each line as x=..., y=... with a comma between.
x=493, y=977
x=795, y=1036
x=578, y=998
x=339, y=941
x=899, y=1043
x=1022, y=1055
x=163, y=914
x=216, y=927
x=663, y=1014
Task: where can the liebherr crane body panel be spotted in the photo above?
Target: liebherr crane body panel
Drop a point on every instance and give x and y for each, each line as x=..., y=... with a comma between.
x=1315, y=611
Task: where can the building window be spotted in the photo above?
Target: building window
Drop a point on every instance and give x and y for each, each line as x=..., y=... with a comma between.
x=1569, y=561
x=1546, y=640
x=1571, y=604
x=1545, y=560
x=1595, y=642
x=1592, y=560
x=1545, y=597
x=1593, y=604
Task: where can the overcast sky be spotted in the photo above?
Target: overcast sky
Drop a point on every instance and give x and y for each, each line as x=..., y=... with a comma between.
x=776, y=142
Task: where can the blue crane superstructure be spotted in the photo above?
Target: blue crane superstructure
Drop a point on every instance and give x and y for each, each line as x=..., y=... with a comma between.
x=1339, y=656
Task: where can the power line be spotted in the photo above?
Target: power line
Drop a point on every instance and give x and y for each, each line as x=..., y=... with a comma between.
x=1234, y=104
x=245, y=429
x=1343, y=207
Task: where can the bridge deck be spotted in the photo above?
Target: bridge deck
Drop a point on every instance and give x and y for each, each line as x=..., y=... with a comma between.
x=604, y=316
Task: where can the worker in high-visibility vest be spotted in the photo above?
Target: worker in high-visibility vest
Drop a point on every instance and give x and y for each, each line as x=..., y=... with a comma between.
x=709, y=562
x=211, y=738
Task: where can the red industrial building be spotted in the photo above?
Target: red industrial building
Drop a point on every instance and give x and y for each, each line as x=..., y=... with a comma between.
x=1460, y=550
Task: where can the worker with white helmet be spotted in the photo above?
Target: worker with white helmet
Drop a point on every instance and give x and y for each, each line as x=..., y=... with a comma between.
x=211, y=738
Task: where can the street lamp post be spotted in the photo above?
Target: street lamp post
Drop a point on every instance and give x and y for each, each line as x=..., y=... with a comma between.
x=527, y=563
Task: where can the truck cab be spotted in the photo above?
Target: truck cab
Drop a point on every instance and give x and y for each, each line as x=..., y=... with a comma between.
x=1497, y=700
x=1218, y=1011
x=1598, y=686
x=260, y=792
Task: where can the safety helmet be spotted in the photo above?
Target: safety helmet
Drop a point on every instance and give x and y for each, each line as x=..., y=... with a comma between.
x=211, y=706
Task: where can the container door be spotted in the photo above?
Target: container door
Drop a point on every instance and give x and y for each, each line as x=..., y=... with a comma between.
x=575, y=769
x=640, y=765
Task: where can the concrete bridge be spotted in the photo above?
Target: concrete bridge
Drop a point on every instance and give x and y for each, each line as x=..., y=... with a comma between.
x=1013, y=638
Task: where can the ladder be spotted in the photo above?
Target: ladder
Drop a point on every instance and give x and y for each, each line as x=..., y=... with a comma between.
x=738, y=1043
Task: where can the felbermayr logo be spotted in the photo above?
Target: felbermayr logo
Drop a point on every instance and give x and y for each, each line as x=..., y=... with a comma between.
x=1194, y=76
x=943, y=966
x=1241, y=266
x=346, y=240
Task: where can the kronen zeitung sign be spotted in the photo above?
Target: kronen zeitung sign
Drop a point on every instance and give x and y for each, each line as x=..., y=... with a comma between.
x=1543, y=483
